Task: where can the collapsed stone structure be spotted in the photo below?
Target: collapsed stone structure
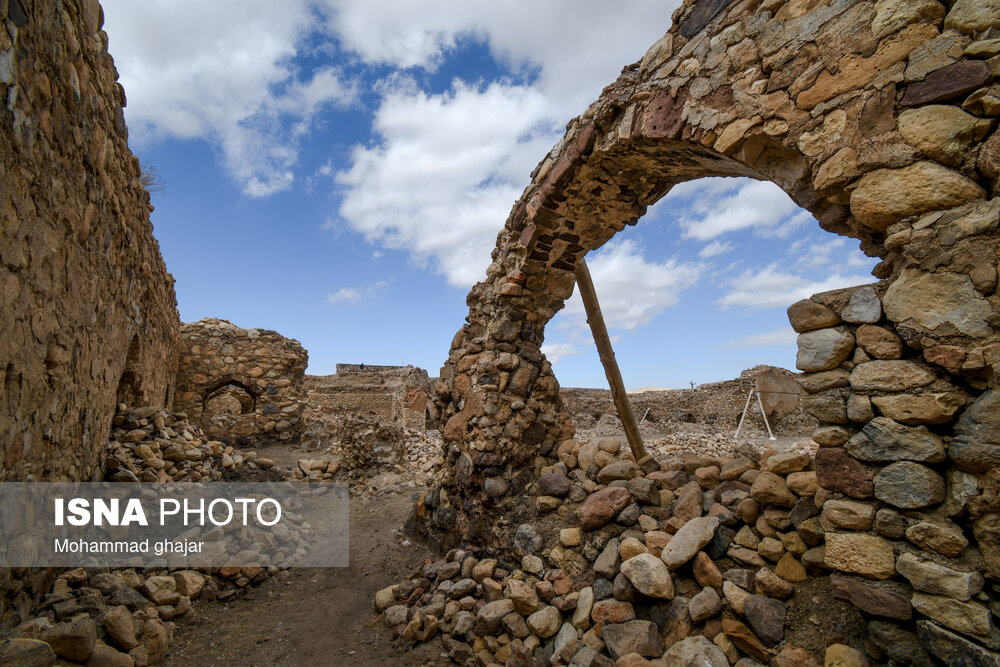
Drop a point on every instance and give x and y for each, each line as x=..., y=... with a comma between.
x=880, y=119
x=715, y=404
x=882, y=136
x=244, y=386
x=89, y=316
x=395, y=393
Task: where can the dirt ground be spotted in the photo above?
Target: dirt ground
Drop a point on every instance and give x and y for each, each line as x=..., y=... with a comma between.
x=320, y=616
x=324, y=616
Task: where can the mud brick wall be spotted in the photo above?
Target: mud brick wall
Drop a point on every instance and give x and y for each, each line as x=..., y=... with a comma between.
x=241, y=386
x=396, y=393
x=88, y=316
x=880, y=118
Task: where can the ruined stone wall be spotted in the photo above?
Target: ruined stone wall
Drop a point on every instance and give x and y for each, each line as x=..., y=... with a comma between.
x=717, y=405
x=396, y=393
x=88, y=315
x=241, y=386
x=366, y=368
x=872, y=116
x=910, y=428
x=880, y=118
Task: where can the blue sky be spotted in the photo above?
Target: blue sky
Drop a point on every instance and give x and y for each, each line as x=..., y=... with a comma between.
x=337, y=170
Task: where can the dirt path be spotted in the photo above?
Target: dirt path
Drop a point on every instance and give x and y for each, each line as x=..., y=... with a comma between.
x=313, y=616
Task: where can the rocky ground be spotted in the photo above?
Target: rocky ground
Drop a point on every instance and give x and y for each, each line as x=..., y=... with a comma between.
x=213, y=616
x=704, y=553
x=686, y=560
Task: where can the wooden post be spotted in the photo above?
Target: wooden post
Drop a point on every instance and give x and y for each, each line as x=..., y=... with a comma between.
x=603, y=342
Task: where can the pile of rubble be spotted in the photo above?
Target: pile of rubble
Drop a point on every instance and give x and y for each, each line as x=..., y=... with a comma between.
x=701, y=560
x=113, y=617
x=371, y=452
x=150, y=444
x=689, y=438
x=118, y=618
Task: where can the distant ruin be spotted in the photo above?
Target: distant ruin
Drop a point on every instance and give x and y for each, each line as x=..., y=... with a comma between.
x=242, y=386
x=398, y=394
x=717, y=404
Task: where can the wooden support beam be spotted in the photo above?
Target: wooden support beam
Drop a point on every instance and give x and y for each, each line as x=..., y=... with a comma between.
x=603, y=342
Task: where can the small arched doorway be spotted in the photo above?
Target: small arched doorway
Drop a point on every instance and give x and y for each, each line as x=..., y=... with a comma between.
x=231, y=398
x=129, y=389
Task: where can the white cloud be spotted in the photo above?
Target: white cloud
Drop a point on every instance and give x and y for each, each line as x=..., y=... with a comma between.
x=445, y=173
x=222, y=71
x=631, y=289
x=716, y=248
x=556, y=352
x=716, y=206
x=446, y=169
x=858, y=260
x=352, y=294
x=771, y=287
x=230, y=77
x=809, y=253
x=576, y=46
x=784, y=336
x=344, y=294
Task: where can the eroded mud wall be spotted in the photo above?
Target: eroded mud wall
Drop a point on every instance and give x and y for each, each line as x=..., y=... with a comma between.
x=88, y=315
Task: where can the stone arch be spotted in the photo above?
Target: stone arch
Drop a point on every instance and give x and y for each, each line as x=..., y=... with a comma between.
x=245, y=397
x=839, y=103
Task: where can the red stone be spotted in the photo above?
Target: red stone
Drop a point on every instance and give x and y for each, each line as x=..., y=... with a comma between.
x=837, y=471
x=585, y=138
x=793, y=656
x=701, y=15
x=562, y=586
x=949, y=356
x=454, y=429
x=524, y=240
x=877, y=116
x=870, y=599
x=947, y=83
x=662, y=116
x=711, y=629
x=601, y=506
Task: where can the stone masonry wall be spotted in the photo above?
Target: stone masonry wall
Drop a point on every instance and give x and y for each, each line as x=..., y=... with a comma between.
x=716, y=405
x=880, y=118
x=910, y=423
x=241, y=386
x=88, y=315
